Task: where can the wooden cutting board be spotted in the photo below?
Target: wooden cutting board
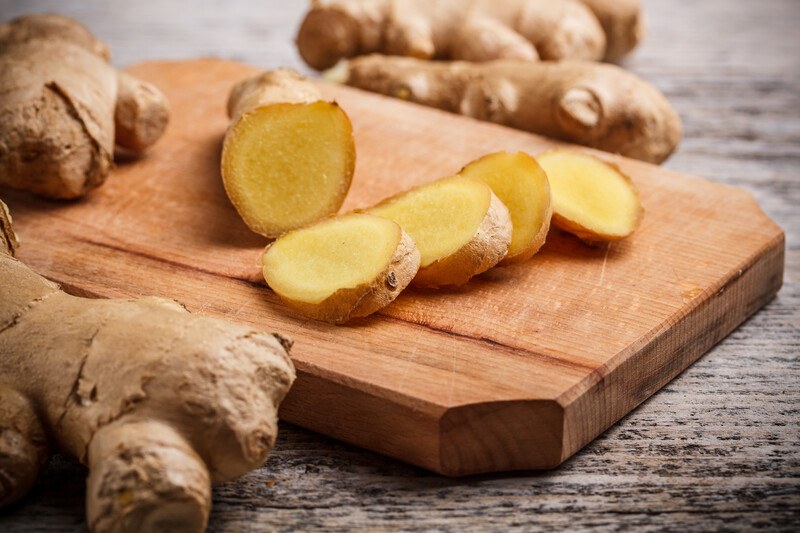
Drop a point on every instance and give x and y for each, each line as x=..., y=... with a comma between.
x=517, y=370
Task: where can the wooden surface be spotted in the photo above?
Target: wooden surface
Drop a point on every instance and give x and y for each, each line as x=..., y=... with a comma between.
x=716, y=449
x=517, y=370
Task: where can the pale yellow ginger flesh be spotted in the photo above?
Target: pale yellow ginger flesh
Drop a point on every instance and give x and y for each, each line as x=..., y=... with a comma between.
x=287, y=165
x=591, y=198
x=522, y=185
x=341, y=268
x=312, y=264
x=455, y=204
x=460, y=227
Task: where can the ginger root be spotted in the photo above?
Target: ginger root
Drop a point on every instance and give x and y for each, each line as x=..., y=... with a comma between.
x=460, y=227
x=288, y=158
x=471, y=30
x=158, y=403
x=623, y=24
x=596, y=105
x=521, y=184
x=62, y=104
x=341, y=268
x=591, y=198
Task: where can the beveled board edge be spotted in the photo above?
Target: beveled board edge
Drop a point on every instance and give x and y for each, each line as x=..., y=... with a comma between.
x=538, y=434
x=669, y=351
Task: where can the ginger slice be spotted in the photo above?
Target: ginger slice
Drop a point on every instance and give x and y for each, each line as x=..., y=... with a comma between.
x=341, y=268
x=522, y=185
x=460, y=227
x=591, y=198
x=287, y=165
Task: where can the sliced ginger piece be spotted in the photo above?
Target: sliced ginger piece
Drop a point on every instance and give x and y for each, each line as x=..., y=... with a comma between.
x=288, y=158
x=460, y=227
x=591, y=198
x=341, y=268
x=285, y=166
x=521, y=184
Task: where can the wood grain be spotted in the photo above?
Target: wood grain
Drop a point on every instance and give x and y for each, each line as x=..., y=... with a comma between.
x=517, y=370
x=717, y=449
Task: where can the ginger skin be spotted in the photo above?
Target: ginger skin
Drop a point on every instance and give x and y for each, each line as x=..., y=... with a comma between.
x=470, y=30
x=281, y=86
x=62, y=104
x=158, y=403
x=596, y=105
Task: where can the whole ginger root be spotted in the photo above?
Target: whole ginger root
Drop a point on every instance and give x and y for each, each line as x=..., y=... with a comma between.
x=158, y=403
x=470, y=30
x=593, y=104
x=64, y=107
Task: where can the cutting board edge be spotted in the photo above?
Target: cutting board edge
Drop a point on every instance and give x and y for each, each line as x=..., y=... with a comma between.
x=454, y=437
x=730, y=305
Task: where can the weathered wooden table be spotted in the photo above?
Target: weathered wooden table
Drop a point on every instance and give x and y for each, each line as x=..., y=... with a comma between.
x=719, y=448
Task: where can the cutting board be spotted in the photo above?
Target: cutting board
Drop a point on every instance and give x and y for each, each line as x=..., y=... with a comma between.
x=518, y=369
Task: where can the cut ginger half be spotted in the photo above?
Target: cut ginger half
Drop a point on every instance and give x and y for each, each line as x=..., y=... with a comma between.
x=591, y=198
x=287, y=165
x=460, y=227
x=522, y=185
x=341, y=268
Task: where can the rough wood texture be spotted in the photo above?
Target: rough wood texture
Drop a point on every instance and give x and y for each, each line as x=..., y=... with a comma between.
x=718, y=448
